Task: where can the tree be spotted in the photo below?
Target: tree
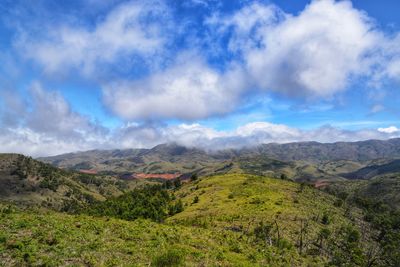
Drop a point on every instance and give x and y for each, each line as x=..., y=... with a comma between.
x=177, y=182
x=194, y=177
x=303, y=233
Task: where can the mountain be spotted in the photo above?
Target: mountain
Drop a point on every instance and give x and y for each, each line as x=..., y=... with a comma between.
x=166, y=158
x=307, y=161
x=31, y=182
x=316, y=152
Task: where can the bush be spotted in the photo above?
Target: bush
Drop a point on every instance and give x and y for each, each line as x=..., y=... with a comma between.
x=177, y=183
x=324, y=233
x=338, y=203
x=194, y=177
x=176, y=208
x=50, y=183
x=171, y=257
x=325, y=219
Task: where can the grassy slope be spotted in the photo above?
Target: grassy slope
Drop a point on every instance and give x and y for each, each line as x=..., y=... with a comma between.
x=244, y=200
x=57, y=239
x=216, y=231
x=23, y=180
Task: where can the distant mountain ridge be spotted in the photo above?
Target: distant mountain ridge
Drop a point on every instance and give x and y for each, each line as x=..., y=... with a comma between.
x=314, y=151
x=310, y=151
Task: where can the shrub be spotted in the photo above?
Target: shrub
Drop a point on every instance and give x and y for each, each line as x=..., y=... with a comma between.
x=324, y=233
x=284, y=176
x=177, y=183
x=325, y=219
x=338, y=203
x=171, y=257
x=194, y=177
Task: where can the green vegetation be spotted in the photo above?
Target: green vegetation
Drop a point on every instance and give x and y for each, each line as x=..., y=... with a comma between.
x=379, y=201
x=151, y=202
x=260, y=224
x=27, y=181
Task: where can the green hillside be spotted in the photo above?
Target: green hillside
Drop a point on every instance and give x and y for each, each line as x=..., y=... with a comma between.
x=30, y=182
x=381, y=189
x=228, y=220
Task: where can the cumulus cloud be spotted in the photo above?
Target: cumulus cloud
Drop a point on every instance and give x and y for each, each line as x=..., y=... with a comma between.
x=51, y=114
x=45, y=124
x=130, y=29
x=188, y=90
x=315, y=53
x=389, y=130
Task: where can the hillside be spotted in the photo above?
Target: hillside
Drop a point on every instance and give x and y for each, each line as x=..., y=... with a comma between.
x=228, y=220
x=30, y=182
x=167, y=158
x=374, y=169
x=382, y=189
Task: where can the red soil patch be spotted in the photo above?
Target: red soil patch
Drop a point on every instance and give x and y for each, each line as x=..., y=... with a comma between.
x=88, y=171
x=165, y=176
x=321, y=184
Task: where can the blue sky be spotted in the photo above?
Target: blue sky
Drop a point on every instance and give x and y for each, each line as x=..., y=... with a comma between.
x=78, y=75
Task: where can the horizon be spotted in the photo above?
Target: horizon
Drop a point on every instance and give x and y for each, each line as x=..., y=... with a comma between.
x=210, y=151
x=215, y=75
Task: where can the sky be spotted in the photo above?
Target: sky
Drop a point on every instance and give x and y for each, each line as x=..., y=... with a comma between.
x=105, y=74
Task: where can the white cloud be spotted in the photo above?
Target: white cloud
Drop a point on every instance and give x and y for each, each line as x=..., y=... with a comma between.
x=23, y=139
x=46, y=125
x=244, y=23
x=391, y=59
x=389, y=130
x=188, y=90
x=316, y=53
x=130, y=29
x=51, y=114
x=251, y=134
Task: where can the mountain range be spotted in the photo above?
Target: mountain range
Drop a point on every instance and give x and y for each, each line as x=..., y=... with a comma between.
x=299, y=161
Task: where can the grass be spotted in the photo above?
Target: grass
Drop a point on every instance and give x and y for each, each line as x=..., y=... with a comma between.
x=217, y=230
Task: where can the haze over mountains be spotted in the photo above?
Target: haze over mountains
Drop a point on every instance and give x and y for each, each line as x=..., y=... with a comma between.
x=310, y=151
x=308, y=160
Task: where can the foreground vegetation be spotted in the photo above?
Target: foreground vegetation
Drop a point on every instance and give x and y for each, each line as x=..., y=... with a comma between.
x=225, y=220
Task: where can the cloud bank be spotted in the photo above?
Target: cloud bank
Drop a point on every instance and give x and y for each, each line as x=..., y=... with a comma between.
x=47, y=126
